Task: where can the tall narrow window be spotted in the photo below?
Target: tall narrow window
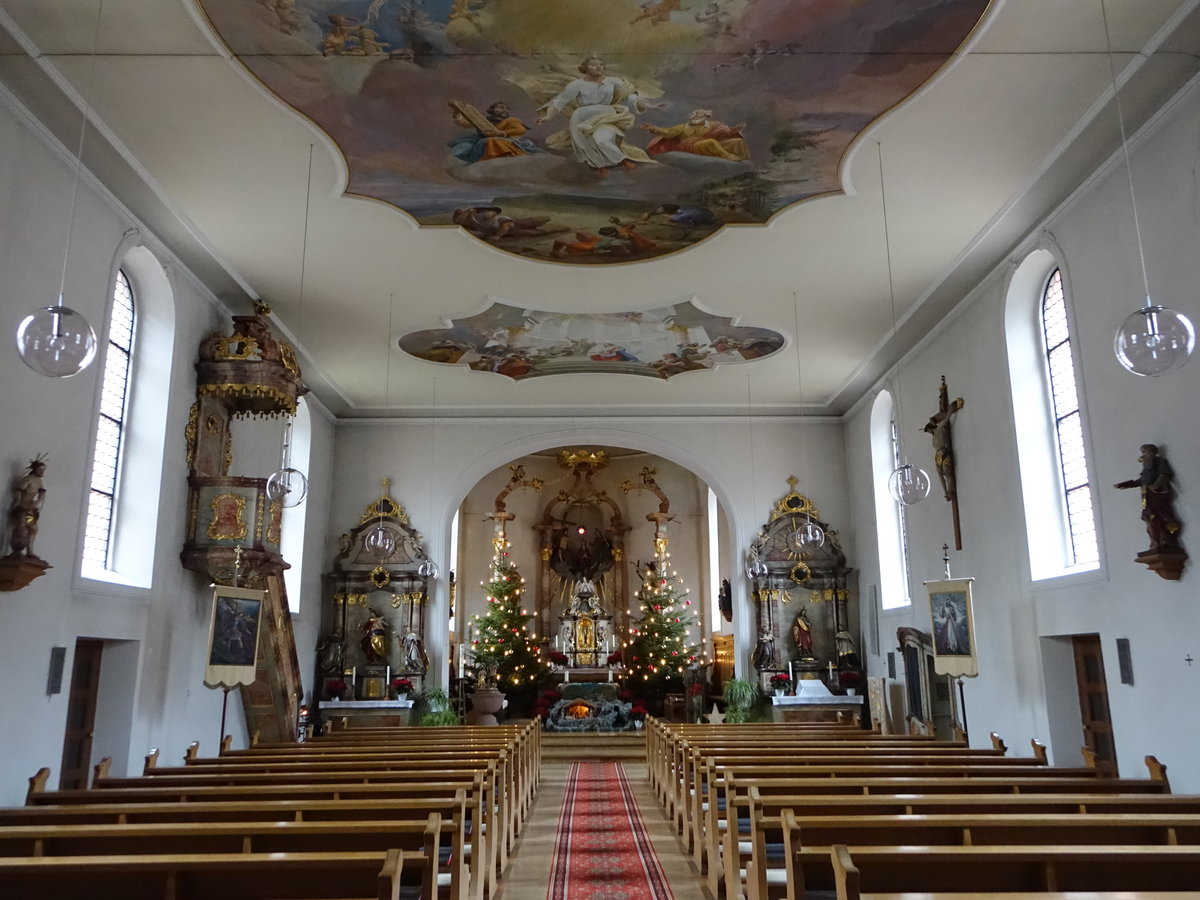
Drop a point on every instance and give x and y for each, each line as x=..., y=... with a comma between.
x=110, y=429
x=889, y=515
x=1068, y=424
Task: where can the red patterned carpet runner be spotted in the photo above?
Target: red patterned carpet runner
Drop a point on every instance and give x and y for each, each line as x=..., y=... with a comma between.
x=603, y=851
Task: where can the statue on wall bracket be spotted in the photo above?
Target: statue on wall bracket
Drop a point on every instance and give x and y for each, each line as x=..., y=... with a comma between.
x=1165, y=555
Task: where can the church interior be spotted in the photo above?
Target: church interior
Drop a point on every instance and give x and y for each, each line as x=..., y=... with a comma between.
x=844, y=344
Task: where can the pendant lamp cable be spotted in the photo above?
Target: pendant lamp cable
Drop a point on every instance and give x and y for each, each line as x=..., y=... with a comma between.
x=304, y=240
x=87, y=111
x=1137, y=225
x=908, y=483
x=811, y=534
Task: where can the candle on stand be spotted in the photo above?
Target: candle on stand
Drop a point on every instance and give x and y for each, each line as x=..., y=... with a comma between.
x=387, y=679
x=462, y=659
x=831, y=671
x=791, y=677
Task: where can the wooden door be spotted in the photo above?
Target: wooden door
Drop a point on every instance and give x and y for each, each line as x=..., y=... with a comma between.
x=81, y=714
x=1093, y=702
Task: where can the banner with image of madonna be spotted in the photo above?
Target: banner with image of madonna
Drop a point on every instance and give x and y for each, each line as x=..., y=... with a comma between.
x=953, y=627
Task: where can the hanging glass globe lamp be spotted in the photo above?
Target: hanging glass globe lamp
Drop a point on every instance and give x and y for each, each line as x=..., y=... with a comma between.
x=56, y=341
x=908, y=484
x=1154, y=340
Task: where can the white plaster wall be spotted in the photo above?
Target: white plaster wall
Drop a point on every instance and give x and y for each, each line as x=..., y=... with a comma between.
x=1025, y=689
x=151, y=693
x=444, y=462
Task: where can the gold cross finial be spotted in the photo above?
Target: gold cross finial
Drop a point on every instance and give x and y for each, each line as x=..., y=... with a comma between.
x=387, y=483
x=793, y=481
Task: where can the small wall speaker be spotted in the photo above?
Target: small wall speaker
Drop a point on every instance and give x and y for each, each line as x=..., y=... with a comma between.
x=58, y=659
x=1125, y=660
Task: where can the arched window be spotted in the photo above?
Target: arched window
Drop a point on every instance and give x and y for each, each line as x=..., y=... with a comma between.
x=292, y=542
x=1050, y=420
x=120, y=523
x=889, y=515
x=1076, y=490
x=110, y=428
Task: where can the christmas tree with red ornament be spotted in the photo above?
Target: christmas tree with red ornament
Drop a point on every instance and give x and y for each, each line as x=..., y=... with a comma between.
x=658, y=651
x=506, y=653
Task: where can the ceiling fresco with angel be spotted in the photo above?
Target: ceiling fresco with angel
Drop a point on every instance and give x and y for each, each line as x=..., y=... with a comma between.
x=592, y=131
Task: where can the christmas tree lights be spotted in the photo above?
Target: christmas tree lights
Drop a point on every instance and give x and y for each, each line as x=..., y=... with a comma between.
x=506, y=653
x=657, y=652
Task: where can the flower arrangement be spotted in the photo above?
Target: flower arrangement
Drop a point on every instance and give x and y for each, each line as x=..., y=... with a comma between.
x=558, y=658
x=334, y=689
x=780, y=682
x=638, y=711
x=696, y=689
x=615, y=659
x=849, y=678
x=402, y=685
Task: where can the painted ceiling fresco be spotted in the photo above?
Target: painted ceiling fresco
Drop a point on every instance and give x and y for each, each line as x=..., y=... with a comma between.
x=526, y=343
x=592, y=131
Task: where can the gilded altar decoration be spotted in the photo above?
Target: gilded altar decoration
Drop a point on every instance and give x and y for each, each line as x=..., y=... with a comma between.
x=228, y=517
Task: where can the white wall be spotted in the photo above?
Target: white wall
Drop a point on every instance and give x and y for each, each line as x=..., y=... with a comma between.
x=151, y=693
x=1158, y=714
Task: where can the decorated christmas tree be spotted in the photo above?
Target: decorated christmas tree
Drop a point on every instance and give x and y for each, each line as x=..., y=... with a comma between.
x=507, y=655
x=657, y=652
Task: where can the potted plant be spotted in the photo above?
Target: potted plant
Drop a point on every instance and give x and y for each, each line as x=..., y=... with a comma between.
x=780, y=683
x=335, y=689
x=638, y=714
x=401, y=688
x=558, y=658
x=740, y=696
x=433, y=709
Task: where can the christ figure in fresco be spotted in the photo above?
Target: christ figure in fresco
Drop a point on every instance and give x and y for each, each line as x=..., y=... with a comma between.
x=602, y=108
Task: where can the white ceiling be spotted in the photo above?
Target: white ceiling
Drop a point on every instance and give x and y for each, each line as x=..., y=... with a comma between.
x=217, y=168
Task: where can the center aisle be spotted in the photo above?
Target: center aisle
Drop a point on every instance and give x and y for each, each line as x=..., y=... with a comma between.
x=608, y=842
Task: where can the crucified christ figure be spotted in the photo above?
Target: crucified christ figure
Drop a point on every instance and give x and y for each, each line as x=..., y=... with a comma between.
x=943, y=451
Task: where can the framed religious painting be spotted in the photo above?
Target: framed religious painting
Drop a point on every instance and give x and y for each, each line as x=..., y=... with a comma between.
x=952, y=627
x=233, y=636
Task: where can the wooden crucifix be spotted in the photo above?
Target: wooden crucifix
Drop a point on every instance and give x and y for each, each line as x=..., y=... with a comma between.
x=943, y=451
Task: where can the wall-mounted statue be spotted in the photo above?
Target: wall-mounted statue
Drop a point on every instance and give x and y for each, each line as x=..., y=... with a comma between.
x=1158, y=507
x=28, y=497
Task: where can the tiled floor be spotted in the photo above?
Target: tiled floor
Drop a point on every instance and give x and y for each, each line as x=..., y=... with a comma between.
x=528, y=872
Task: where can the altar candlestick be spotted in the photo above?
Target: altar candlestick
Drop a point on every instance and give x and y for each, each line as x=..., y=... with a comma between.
x=831, y=671
x=791, y=677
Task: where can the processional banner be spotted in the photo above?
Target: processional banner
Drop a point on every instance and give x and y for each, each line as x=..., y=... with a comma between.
x=952, y=623
x=233, y=637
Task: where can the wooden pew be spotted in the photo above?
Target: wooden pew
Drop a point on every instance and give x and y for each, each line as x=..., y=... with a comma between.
x=888, y=870
x=736, y=787
x=806, y=840
x=459, y=872
x=235, y=876
x=418, y=838
x=498, y=785
x=483, y=861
